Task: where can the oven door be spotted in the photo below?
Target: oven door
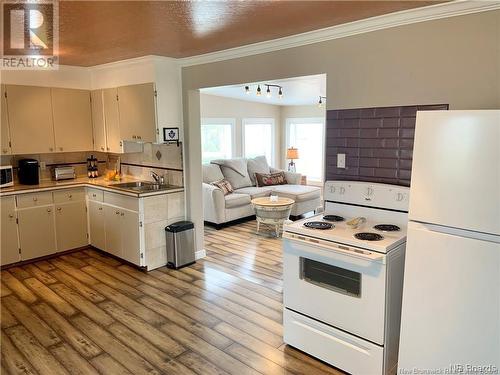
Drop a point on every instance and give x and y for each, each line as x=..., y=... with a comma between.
x=341, y=286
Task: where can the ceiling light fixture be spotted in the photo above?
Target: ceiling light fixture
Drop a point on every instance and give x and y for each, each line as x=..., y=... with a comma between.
x=268, y=90
x=320, y=102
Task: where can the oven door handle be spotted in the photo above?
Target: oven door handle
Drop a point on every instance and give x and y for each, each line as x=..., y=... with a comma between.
x=340, y=249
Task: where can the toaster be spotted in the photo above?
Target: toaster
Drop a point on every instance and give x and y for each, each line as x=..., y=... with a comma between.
x=64, y=173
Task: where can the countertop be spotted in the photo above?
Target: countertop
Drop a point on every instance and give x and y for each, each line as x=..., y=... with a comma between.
x=99, y=183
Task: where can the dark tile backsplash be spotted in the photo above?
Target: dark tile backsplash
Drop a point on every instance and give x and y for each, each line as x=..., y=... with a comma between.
x=378, y=143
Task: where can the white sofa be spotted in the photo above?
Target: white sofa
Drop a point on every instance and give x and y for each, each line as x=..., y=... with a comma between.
x=219, y=209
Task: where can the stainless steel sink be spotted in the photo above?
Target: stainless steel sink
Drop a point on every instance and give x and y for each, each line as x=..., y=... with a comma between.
x=141, y=186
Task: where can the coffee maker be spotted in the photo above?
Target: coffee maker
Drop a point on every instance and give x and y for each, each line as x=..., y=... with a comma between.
x=29, y=172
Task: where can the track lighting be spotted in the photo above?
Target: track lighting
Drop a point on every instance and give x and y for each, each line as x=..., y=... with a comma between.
x=268, y=90
x=320, y=102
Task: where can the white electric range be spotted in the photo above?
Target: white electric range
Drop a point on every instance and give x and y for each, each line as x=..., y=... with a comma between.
x=343, y=284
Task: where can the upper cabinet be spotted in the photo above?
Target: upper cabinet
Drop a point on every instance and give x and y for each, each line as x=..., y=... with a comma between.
x=98, y=121
x=5, y=134
x=137, y=109
x=72, y=120
x=111, y=119
x=30, y=119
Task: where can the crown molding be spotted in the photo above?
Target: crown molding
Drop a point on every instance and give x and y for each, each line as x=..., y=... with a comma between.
x=386, y=21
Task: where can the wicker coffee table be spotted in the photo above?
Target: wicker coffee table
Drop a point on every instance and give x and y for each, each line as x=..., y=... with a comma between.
x=273, y=213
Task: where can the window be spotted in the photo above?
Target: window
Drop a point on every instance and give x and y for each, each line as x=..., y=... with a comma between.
x=307, y=135
x=258, y=138
x=217, y=139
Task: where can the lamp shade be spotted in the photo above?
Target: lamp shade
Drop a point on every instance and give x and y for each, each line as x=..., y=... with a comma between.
x=292, y=153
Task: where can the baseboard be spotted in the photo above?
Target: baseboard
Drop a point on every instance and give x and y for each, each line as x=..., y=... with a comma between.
x=200, y=254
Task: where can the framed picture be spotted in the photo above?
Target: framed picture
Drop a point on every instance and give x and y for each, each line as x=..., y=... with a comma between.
x=170, y=134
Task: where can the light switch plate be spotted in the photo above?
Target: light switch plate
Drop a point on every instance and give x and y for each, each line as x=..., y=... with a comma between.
x=340, y=160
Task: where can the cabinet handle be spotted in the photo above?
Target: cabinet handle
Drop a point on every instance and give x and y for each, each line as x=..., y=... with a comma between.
x=117, y=212
x=4, y=151
x=102, y=148
x=35, y=199
x=70, y=196
x=51, y=149
x=11, y=216
x=134, y=137
x=60, y=148
x=100, y=208
x=58, y=208
x=122, y=214
x=93, y=194
x=107, y=148
x=49, y=210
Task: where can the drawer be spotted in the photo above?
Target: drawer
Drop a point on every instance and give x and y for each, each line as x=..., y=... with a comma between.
x=34, y=199
x=338, y=348
x=123, y=201
x=69, y=195
x=95, y=194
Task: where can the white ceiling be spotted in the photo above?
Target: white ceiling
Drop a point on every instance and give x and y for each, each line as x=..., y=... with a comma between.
x=296, y=91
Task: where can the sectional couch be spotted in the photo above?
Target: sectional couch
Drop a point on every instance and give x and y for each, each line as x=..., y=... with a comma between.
x=220, y=209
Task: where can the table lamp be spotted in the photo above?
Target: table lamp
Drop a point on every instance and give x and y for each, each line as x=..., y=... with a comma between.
x=292, y=153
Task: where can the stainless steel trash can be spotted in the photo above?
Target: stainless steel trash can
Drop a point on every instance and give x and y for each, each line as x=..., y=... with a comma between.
x=180, y=244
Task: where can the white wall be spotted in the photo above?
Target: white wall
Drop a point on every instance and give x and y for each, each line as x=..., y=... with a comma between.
x=71, y=77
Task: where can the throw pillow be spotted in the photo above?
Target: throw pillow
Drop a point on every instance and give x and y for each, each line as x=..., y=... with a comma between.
x=224, y=185
x=235, y=171
x=257, y=165
x=270, y=179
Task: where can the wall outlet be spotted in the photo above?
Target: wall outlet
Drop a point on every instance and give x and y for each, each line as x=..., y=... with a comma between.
x=341, y=161
x=43, y=166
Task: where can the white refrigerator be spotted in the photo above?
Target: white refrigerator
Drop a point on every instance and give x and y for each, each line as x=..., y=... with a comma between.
x=451, y=293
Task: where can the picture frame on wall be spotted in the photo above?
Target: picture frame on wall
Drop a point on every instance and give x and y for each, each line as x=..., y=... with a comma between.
x=171, y=135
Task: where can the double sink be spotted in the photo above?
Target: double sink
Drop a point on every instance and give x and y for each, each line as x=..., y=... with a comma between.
x=142, y=186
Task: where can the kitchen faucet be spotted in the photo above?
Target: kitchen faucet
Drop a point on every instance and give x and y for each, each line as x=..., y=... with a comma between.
x=159, y=179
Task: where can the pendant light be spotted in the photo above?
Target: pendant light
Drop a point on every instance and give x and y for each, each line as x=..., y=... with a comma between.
x=259, y=91
x=320, y=102
x=247, y=89
x=268, y=91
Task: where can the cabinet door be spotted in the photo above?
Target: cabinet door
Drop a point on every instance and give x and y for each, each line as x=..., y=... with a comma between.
x=4, y=135
x=37, y=232
x=72, y=120
x=96, y=225
x=9, y=245
x=130, y=236
x=111, y=119
x=71, y=225
x=98, y=121
x=30, y=119
x=136, y=105
x=113, y=237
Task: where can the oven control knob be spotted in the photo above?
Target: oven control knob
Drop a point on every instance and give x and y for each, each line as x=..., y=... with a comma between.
x=342, y=190
x=332, y=189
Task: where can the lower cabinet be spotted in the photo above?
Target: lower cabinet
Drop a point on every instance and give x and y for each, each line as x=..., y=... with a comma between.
x=71, y=225
x=37, y=233
x=96, y=224
x=113, y=232
x=9, y=240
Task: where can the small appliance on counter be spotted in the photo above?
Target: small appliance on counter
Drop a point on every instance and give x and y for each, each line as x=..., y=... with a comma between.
x=64, y=173
x=28, y=172
x=6, y=176
x=92, y=168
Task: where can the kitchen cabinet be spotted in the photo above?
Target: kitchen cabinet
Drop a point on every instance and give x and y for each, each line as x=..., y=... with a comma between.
x=130, y=227
x=111, y=120
x=37, y=231
x=137, y=112
x=98, y=125
x=30, y=117
x=71, y=225
x=72, y=120
x=9, y=238
x=5, y=133
x=113, y=234
x=96, y=224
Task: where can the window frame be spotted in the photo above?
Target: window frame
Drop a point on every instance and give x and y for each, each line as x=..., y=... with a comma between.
x=260, y=121
x=289, y=121
x=220, y=121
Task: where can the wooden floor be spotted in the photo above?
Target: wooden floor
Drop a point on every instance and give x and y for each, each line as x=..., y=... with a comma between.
x=87, y=313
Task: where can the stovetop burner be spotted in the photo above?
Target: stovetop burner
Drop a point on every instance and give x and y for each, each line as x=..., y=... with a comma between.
x=387, y=227
x=333, y=218
x=367, y=236
x=318, y=225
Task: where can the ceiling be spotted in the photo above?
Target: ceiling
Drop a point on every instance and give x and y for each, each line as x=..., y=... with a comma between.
x=296, y=91
x=97, y=32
